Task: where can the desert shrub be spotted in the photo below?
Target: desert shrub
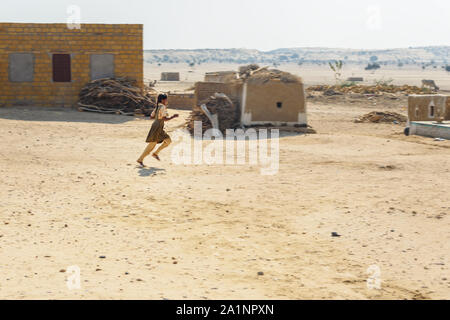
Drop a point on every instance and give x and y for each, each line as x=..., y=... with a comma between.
x=373, y=66
x=383, y=82
x=336, y=67
x=346, y=84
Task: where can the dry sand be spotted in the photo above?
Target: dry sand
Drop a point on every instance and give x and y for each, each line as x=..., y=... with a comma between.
x=71, y=193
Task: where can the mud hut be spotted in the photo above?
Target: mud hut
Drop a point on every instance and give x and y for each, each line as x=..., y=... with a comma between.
x=272, y=97
x=428, y=107
x=263, y=97
x=170, y=76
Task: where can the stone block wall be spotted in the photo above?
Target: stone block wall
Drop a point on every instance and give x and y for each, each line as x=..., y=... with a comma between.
x=30, y=45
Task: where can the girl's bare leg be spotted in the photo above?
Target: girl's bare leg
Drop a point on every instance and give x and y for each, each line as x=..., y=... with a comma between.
x=164, y=145
x=146, y=152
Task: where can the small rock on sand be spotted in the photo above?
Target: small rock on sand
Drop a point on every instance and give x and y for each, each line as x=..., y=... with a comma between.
x=335, y=234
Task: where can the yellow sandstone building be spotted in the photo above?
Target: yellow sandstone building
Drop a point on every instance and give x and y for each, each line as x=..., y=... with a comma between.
x=48, y=64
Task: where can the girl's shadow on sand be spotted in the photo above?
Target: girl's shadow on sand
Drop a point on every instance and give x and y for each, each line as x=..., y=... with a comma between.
x=149, y=171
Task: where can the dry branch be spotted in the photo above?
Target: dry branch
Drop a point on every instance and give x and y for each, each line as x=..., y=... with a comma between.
x=119, y=96
x=226, y=110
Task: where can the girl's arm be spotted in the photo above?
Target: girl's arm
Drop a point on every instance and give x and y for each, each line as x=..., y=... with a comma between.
x=170, y=118
x=166, y=115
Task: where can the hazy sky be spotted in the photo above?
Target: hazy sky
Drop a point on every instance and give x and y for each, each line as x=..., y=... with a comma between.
x=257, y=24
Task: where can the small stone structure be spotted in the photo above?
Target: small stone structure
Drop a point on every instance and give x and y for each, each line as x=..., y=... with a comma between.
x=278, y=100
x=204, y=90
x=220, y=76
x=170, y=76
x=428, y=107
x=181, y=101
x=275, y=103
x=355, y=79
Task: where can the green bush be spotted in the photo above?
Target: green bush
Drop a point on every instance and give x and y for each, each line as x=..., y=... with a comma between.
x=348, y=84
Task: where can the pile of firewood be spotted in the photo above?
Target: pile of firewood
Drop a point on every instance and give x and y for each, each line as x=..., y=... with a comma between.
x=222, y=106
x=368, y=89
x=255, y=74
x=382, y=117
x=116, y=96
x=246, y=71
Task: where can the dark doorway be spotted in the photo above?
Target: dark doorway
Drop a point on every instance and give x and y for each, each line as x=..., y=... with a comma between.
x=61, y=68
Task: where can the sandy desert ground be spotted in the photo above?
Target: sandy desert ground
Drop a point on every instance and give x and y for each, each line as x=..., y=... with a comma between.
x=71, y=194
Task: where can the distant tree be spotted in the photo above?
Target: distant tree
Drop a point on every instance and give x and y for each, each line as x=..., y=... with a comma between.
x=336, y=67
x=447, y=68
x=373, y=66
x=373, y=59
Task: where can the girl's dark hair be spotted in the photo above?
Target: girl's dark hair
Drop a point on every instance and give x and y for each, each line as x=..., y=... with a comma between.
x=162, y=97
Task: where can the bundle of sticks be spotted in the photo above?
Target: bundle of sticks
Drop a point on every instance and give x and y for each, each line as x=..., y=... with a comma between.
x=382, y=117
x=369, y=89
x=116, y=96
x=255, y=74
x=246, y=71
x=220, y=105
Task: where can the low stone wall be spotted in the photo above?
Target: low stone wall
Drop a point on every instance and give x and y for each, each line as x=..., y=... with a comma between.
x=204, y=90
x=430, y=129
x=221, y=76
x=181, y=101
x=170, y=76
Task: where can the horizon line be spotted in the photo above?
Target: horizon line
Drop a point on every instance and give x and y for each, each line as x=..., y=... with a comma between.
x=308, y=47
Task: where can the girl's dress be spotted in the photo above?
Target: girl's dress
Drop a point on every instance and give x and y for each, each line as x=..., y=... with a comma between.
x=157, y=133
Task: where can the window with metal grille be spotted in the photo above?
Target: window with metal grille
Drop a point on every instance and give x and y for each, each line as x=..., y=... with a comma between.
x=61, y=68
